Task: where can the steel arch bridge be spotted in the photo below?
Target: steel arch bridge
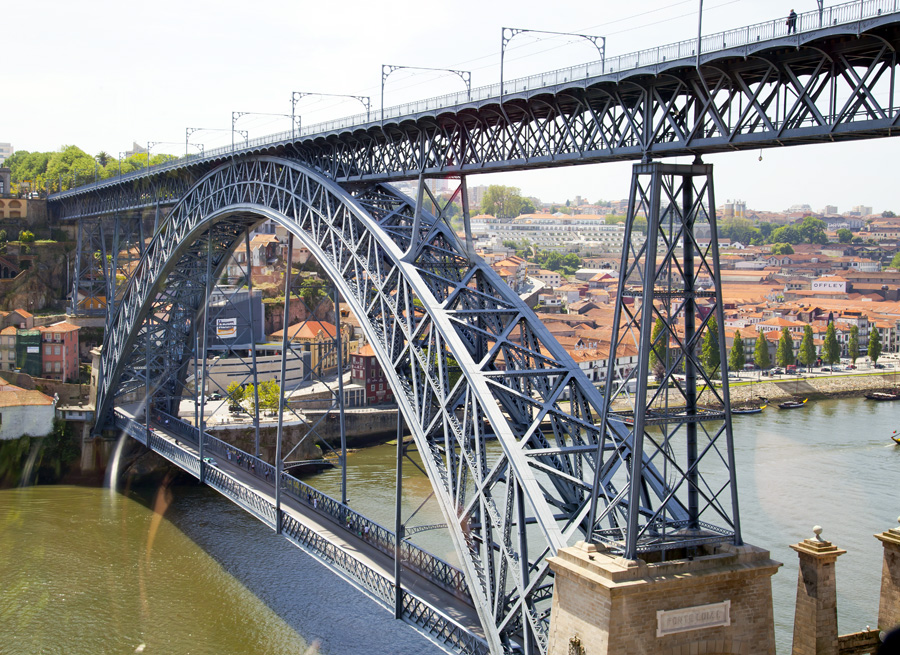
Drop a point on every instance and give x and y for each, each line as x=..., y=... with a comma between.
x=469, y=361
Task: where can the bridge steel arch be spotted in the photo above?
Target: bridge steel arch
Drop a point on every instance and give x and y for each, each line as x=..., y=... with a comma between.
x=506, y=423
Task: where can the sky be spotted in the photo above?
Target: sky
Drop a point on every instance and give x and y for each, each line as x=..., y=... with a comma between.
x=103, y=74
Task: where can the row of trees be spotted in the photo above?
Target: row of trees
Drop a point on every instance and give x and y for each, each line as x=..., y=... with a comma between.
x=269, y=393
x=807, y=356
x=44, y=170
x=784, y=351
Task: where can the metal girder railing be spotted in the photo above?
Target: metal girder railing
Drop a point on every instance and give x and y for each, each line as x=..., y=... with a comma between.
x=506, y=423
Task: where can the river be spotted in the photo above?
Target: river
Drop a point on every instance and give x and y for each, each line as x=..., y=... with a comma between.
x=89, y=570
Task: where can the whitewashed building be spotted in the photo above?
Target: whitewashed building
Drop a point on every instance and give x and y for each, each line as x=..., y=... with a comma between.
x=24, y=412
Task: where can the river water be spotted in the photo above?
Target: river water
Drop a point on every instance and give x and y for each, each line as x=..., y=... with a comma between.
x=90, y=570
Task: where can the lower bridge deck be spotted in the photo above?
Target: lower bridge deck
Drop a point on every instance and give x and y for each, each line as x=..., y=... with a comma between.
x=435, y=598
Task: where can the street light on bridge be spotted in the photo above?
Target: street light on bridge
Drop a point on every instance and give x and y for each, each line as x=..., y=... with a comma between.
x=297, y=95
x=158, y=143
x=236, y=115
x=387, y=69
x=507, y=34
x=188, y=131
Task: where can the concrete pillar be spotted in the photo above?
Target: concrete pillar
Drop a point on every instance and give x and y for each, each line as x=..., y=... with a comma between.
x=889, y=603
x=815, y=616
x=719, y=601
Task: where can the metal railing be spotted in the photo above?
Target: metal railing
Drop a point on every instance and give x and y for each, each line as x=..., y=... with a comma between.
x=418, y=613
x=430, y=566
x=848, y=13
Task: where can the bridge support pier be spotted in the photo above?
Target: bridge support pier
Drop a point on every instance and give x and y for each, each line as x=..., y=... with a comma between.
x=889, y=602
x=717, y=602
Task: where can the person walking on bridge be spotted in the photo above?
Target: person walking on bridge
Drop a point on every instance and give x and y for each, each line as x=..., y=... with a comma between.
x=792, y=22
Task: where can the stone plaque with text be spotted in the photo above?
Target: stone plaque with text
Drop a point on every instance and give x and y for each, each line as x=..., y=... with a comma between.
x=693, y=618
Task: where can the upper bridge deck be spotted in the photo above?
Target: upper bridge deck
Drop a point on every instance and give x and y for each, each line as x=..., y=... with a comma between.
x=750, y=87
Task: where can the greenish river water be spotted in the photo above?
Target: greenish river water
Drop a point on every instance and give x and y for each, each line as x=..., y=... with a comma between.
x=92, y=571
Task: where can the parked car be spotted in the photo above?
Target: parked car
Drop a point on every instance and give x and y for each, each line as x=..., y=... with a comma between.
x=209, y=461
x=778, y=371
x=879, y=365
x=851, y=367
x=826, y=369
x=215, y=395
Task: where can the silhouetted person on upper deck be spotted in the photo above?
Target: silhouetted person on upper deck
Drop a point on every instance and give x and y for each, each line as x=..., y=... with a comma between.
x=792, y=22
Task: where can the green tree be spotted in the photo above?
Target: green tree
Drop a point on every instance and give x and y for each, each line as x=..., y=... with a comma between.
x=71, y=165
x=807, y=347
x=761, y=352
x=26, y=236
x=658, y=350
x=782, y=249
x=831, y=349
x=874, y=350
x=269, y=395
x=737, y=359
x=784, y=354
x=813, y=230
x=853, y=344
x=527, y=206
x=844, y=235
x=888, y=214
x=786, y=234
x=895, y=262
x=236, y=393
x=502, y=201
x=710, y=348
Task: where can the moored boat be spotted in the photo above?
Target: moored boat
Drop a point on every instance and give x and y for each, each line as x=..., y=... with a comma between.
x=792, y=404
x=748, y=410
x=895, y=437
x=883, y=395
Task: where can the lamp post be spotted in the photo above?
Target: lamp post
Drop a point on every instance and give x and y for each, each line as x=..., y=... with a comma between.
x=120, y=162
x=158, y=143
x=236, y=115
x=387, y=69
x=188, y=131
x=297, y=95
x=699, y=31
x=507, y=34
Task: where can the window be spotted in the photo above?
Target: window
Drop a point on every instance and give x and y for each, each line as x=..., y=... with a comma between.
x=48, y=367
x=56, y=367
x=56, y=336
x=48, y=350
x=55, y=350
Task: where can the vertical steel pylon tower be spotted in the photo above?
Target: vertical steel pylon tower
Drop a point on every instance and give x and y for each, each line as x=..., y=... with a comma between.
x=674, y=405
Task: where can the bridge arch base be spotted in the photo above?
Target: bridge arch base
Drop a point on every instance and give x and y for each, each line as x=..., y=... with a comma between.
x=719, y=602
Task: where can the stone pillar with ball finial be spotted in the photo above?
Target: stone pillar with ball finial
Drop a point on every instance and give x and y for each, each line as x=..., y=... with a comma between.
x=889, y=603
x=815, y=616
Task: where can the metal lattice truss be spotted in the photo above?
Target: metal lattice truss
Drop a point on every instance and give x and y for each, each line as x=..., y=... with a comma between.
x=669, y=311
x=506, y=423
x=754, y=98
x=836, y=83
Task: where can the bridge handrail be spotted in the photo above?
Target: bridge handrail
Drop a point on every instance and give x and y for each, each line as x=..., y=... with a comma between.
x=847, y=13
x=433, y=567
x=437, y=624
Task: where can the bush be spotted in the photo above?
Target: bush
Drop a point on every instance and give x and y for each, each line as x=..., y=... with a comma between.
x=26, y=236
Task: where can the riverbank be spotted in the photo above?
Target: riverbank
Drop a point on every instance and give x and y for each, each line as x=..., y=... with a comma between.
x=818, y=387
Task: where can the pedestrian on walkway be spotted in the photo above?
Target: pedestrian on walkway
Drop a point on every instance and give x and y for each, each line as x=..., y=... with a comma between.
x=792, y=22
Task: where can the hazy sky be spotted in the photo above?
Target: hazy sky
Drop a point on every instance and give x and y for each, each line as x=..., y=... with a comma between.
x=101, y=74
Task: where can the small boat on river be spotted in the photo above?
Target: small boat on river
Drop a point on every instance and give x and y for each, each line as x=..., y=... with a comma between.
x=748, y=410
x=883, y=395
x=792, y=404
x=896, y=437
